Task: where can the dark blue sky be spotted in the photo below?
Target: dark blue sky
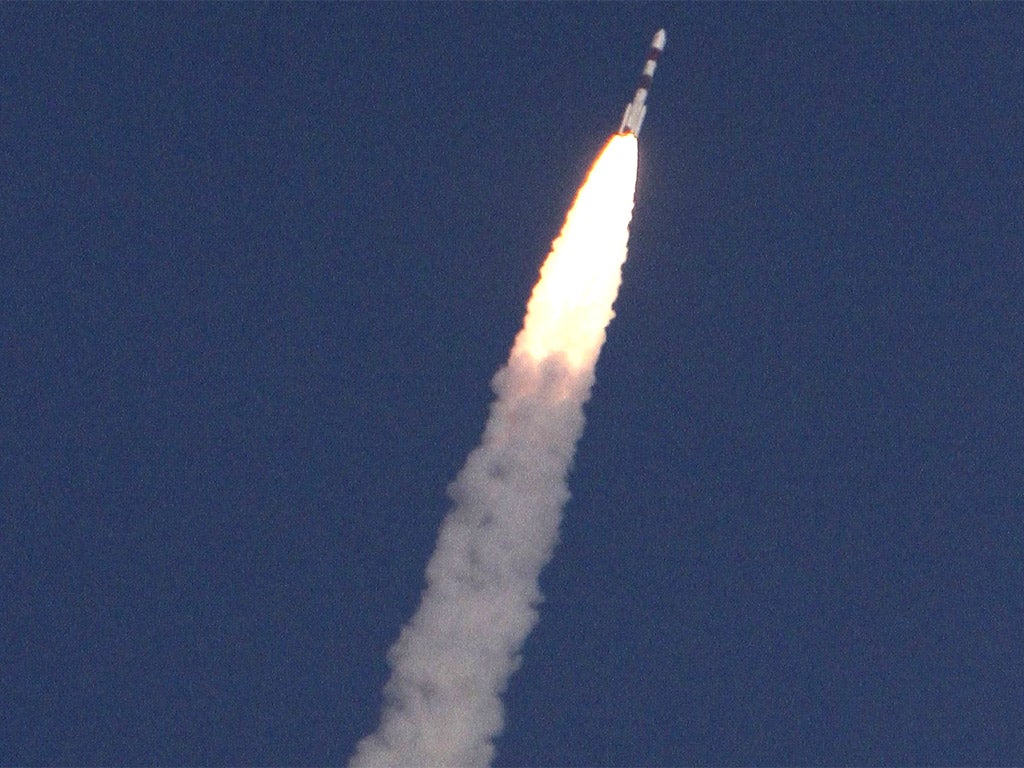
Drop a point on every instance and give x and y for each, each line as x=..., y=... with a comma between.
x=259, y=263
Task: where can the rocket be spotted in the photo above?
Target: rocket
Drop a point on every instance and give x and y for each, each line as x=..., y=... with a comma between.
x=633, y=117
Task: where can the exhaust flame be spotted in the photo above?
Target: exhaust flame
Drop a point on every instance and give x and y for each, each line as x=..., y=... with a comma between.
x=454, y=658
x=572, y=304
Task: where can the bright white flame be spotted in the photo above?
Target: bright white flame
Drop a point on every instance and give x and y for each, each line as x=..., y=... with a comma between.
x=572, y=304
x=455, y=656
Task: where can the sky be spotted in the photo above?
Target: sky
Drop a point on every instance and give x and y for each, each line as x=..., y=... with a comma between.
x=258, y=264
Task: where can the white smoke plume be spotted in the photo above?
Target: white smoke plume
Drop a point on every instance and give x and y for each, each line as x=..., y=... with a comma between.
x=454, y=658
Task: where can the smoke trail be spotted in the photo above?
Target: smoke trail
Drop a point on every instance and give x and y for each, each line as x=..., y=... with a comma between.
x=454, y=658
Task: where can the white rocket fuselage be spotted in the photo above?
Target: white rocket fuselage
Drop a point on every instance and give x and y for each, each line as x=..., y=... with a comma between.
x=633, y=117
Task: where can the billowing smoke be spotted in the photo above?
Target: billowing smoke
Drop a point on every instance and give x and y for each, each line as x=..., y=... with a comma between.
x=454, y=658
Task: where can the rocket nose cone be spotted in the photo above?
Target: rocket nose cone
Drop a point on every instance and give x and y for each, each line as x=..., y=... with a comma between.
x=659, y=39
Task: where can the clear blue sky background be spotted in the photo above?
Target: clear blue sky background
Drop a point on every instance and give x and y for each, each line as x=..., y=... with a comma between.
x=259, y=262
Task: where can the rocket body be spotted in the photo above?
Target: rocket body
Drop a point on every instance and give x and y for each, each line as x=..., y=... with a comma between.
x=633, y=117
